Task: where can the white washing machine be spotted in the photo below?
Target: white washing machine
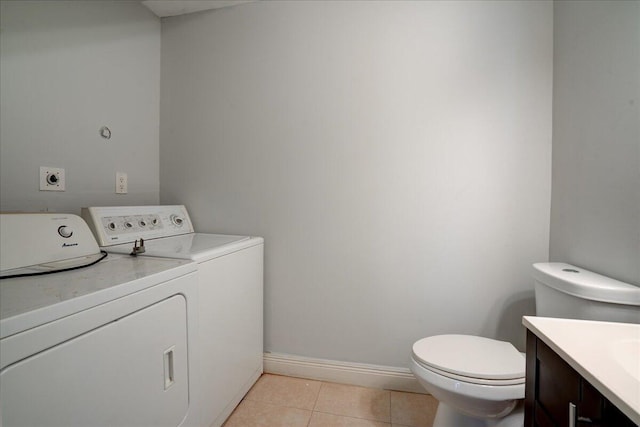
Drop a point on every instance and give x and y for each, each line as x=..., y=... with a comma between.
x=88, y=339
x=230, y=275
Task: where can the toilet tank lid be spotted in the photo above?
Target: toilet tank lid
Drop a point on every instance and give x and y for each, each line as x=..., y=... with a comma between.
x=585, y=284
x=471, y=356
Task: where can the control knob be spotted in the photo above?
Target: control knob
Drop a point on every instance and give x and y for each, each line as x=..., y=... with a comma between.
x=65, y=231
x=176, y=220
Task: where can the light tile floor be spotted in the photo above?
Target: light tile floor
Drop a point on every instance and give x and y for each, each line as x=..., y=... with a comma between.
x=277, y=400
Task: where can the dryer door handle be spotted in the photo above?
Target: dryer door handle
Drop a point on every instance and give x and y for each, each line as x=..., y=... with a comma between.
x=169, y=379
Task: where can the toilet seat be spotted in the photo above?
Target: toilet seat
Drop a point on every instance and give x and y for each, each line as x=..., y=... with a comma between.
x=471, y=359
x=471, y=380
x=429, y=379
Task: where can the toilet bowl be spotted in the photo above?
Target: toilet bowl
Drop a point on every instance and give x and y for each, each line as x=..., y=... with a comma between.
x=479, y=380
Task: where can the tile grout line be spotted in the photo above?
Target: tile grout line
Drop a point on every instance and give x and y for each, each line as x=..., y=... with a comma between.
x=322, y=383
x=279, y=405
x=390, y=410
x=313, y=409
x=353, y=417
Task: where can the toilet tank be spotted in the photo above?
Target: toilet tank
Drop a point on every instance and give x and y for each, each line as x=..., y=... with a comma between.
x=566, y=291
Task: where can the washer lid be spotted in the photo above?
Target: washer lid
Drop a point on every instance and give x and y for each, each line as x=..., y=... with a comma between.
x=471, y=356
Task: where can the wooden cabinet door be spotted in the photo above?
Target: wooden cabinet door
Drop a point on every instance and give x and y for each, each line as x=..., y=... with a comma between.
x=557, y=396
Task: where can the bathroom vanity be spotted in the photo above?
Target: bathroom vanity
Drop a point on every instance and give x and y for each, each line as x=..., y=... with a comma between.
x=582, y=373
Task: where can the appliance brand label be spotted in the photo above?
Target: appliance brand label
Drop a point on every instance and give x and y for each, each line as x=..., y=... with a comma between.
x=66, y=245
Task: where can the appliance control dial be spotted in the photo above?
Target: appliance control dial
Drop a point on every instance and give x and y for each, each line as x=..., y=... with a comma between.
x=65, y=231
x=112, y=226
x=176, y=220
x=128, y=224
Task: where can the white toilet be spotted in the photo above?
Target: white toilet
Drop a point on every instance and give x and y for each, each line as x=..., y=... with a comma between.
x=477, y=380
x=480, y=381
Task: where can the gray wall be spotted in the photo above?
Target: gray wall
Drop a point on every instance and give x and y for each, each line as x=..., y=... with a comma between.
x=396, y=156
x=66, y=69
x=595, y=215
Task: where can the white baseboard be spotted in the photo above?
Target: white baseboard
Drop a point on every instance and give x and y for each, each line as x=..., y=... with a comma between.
x=385, y=377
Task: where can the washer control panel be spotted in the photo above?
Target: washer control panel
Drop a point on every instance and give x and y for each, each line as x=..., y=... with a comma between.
x=114, y=225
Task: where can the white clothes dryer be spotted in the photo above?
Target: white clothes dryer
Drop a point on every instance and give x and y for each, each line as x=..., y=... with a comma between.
x=230, y=277
x=89, y=339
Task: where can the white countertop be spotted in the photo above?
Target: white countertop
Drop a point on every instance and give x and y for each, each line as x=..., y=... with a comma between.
x=606, y=354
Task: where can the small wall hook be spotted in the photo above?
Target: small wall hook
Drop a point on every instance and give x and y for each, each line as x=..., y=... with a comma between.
x=105, y=132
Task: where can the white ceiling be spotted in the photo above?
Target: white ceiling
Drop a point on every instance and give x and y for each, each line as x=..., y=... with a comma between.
x=164, y=8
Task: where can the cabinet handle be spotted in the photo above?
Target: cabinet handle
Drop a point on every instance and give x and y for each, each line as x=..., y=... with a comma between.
x=572, y=415
x=168, y=368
